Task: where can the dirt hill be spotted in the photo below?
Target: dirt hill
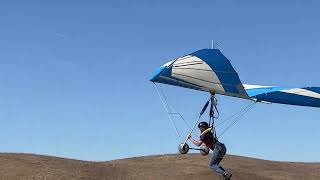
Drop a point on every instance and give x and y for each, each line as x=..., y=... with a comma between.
x=28, y=166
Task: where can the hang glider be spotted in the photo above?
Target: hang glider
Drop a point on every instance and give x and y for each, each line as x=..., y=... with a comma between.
x=209, y=70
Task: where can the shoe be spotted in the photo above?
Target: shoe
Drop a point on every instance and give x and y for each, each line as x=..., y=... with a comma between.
x=227, y=176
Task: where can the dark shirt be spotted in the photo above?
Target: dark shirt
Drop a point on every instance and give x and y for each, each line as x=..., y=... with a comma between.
x=208, y=139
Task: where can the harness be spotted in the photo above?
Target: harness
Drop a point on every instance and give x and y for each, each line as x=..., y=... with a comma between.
x=216, y=141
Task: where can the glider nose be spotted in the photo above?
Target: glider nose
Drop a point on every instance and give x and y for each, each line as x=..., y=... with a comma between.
x=160, y=71
x=157, y=74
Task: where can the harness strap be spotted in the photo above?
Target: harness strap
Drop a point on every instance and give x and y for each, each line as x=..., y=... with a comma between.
x=206, y=131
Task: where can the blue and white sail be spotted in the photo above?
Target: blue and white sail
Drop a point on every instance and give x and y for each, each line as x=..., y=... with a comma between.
x=306, y=96
x=206, y=70
x=209, y=70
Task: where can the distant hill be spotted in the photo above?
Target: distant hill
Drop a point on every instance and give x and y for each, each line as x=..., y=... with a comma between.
x=193, y=166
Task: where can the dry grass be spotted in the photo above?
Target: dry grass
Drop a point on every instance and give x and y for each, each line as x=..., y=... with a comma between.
x=166, y=167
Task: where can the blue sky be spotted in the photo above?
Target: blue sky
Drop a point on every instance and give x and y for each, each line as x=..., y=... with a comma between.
x=74, y=75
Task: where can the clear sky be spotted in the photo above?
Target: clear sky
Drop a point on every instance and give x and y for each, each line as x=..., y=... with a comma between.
x=75, y=75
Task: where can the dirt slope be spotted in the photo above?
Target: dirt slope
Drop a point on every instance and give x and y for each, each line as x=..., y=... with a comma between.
x=28, y=166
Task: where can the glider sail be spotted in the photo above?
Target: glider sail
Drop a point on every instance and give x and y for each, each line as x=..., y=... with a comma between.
x=206, y=70
x=308, y=96
x=209, y=70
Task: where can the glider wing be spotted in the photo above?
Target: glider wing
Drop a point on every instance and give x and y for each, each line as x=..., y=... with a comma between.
x=307, y=96
x=209, y=70
x=206, y=70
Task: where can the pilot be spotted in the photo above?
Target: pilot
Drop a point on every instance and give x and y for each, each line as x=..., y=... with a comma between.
x=218, y=149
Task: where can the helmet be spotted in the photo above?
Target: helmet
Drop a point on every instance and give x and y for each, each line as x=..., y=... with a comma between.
x=203, y=125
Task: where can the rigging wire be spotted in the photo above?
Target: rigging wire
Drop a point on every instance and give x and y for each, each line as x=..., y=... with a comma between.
x=201, y=113
x=238, y=118
x=169, y=113
x=234, y=115
x=172, y=110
